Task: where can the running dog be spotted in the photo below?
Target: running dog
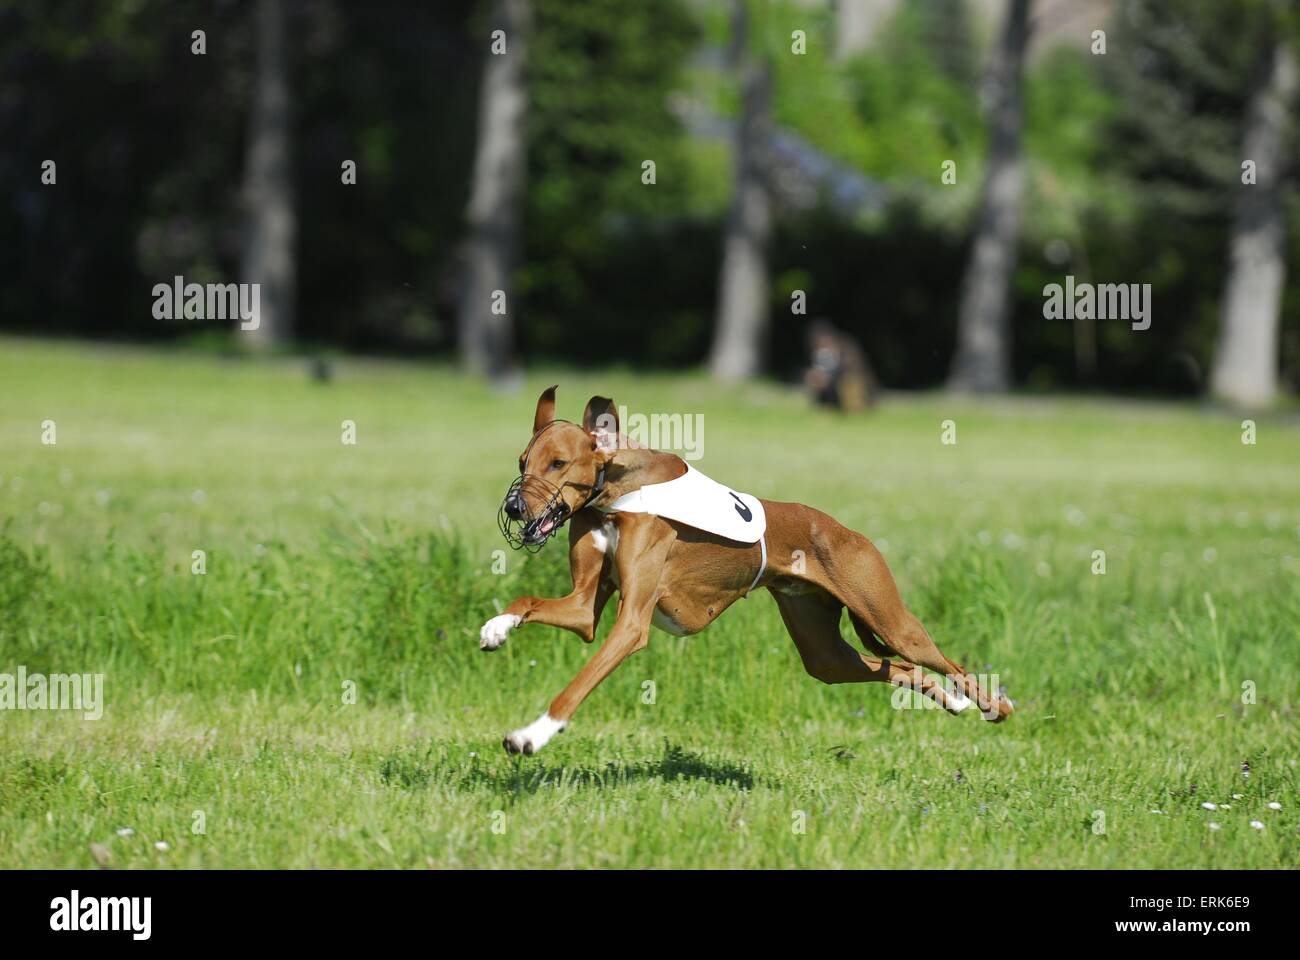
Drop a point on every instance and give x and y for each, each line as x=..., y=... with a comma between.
x=680, y=549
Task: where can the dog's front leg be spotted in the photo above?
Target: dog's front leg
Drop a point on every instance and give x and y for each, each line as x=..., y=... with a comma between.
x=578, y=612
x=644, y=542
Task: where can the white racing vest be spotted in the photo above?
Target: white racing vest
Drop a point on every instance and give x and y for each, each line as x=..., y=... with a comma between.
x=696, y=501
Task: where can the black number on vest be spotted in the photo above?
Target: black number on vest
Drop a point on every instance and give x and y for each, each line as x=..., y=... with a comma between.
x=741, y=509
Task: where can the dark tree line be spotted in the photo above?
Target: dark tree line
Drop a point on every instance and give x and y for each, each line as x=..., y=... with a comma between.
x=499, y=203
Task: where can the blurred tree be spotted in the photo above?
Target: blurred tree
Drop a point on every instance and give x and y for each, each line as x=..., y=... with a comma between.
x=394, y=87
x=741, y=324
x=1132, y=175
x=496, y=199
x=856, y=22
x=1185, y=89
x=269, y=257
x=145, y=140
x=983, y=358
x=1246, y=358
x=913, y=102
x=617, y=265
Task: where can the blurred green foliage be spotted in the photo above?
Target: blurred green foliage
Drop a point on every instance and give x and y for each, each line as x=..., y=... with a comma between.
x=1131, y=162
x=600, y=73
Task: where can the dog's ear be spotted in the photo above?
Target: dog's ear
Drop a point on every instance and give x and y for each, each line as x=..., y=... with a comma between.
x=600, y=419
x=545, y=408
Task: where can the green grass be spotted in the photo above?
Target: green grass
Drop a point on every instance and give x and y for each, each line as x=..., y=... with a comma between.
x=372, y=565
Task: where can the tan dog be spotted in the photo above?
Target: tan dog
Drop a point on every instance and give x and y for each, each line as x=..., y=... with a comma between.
x=681, y=578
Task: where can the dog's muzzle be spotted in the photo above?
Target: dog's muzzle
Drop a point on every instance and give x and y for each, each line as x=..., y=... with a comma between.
x=523, y=528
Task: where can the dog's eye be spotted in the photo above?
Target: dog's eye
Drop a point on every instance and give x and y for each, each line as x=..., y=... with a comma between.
x=521, y=467
x=559, y=464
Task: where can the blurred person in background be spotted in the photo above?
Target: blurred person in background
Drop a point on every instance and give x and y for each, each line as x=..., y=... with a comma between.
x=838, y=374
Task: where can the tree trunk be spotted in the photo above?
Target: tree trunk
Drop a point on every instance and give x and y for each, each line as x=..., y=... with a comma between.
x=740, y=328
x=856, y=22
x=270, y=223
x=983, y=359
x=1246, y=359
x=496, y=200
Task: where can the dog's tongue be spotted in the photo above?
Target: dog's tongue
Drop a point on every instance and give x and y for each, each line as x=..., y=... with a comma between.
x=546, y=527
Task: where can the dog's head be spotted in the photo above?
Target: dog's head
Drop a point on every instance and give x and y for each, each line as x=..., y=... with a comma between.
x=560, y=471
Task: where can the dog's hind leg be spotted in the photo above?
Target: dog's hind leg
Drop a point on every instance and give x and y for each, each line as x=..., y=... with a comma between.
x=857, y=574
x=910, y=640
x=869, y=639
x=813, y=620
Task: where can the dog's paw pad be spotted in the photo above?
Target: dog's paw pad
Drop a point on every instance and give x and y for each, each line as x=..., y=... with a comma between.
x=493, y=633
x=514, y=743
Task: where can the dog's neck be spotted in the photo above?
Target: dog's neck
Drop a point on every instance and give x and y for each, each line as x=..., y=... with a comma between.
x=633, y=469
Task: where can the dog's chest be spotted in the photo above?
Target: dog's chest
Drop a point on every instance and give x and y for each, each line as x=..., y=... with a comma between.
x=605, y=539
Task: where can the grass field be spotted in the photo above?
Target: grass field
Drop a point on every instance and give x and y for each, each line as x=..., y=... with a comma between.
x=331, y=567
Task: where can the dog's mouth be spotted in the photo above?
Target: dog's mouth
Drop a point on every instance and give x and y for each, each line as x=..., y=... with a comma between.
x=538, y=531
x=529, y=529
x=521, y=525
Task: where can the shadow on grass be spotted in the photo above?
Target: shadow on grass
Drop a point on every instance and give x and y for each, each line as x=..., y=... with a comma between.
x=529, y=775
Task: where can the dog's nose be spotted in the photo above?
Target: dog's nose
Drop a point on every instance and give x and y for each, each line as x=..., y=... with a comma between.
x=515, y=507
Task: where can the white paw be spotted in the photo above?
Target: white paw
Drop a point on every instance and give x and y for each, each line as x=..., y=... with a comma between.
x=958, y=701
x=530, y=739
x=493, y=633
